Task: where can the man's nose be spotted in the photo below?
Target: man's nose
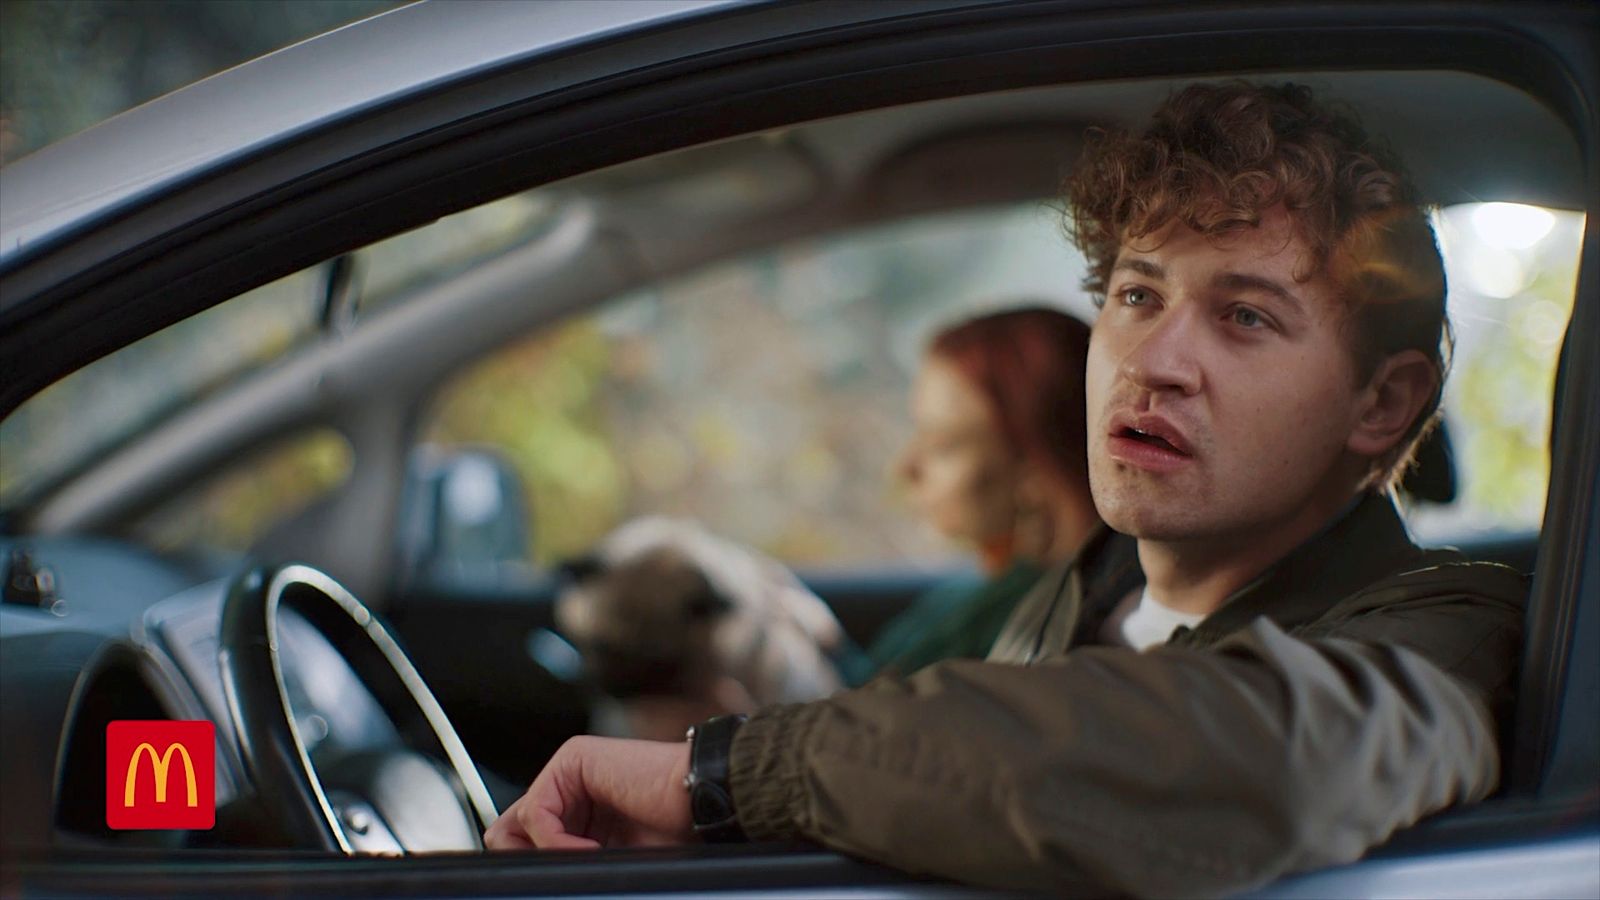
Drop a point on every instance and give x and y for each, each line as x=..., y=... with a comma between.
x=1165, y=358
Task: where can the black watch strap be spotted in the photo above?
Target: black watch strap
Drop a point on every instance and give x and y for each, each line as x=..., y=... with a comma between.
x=710, y=794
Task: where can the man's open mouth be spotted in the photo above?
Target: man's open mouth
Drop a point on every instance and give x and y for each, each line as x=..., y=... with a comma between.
x=1153, y=440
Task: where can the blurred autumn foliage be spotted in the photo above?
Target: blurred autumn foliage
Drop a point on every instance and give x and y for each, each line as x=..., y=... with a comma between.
x=1513, y=273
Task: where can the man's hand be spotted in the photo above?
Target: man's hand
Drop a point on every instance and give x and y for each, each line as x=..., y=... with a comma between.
x=601, y=792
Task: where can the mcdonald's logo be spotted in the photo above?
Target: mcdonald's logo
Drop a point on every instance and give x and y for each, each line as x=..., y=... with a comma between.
x=160, y=774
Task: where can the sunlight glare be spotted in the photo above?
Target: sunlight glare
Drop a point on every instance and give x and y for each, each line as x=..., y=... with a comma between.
x=1512, y=226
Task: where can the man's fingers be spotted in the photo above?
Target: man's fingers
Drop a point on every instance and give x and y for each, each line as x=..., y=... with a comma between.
x=548, y=829
x=527, y=827
x=507, y=832
x=601, y=792
x=505, y=839
x=565, y=841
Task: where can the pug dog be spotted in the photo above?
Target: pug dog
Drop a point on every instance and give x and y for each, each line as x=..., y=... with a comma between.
x=676, y=625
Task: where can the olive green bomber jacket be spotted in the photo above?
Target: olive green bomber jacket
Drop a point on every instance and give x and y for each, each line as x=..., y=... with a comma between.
x=1349, y=691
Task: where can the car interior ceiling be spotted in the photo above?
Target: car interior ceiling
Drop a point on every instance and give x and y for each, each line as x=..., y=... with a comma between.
x=844, y=172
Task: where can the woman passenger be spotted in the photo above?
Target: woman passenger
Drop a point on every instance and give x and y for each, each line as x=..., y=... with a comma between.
x=996, y=463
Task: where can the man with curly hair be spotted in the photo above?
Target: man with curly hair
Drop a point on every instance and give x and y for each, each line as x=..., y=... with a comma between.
x=1252, y=670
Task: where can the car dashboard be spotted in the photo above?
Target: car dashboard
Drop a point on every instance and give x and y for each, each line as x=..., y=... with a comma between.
x=137, y=637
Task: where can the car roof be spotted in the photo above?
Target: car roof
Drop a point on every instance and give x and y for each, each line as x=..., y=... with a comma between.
x=277, y=97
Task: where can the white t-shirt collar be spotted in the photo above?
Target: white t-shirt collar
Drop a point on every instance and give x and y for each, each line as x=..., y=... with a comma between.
x=1140, y=621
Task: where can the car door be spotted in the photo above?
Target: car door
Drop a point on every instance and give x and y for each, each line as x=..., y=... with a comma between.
x=735, y=71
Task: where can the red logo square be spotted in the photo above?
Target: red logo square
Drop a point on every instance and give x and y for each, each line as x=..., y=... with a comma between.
x=161, y=774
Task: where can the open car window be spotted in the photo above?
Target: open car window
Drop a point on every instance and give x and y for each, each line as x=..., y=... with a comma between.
x=784, y=370
x=765, y=395
x=679, y=431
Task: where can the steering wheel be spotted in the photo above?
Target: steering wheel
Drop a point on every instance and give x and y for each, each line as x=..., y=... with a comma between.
x=425, y=795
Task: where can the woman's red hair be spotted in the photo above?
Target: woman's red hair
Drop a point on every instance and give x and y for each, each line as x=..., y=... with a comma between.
x=1029, y=364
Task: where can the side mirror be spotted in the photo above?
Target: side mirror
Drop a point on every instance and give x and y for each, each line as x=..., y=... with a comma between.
x=463, y=519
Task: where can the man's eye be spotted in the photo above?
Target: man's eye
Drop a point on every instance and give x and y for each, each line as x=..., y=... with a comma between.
x=1135, y=296
x=1246, y=317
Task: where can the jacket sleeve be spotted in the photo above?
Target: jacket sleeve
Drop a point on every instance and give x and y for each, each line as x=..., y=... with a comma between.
x=1175, y=772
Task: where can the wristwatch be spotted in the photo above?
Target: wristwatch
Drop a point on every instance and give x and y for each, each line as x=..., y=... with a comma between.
x=710, y=795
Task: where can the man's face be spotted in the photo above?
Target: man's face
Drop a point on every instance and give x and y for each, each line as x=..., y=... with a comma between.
x=1221, y=392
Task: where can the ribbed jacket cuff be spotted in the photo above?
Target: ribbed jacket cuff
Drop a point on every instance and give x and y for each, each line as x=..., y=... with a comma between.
x=766, y=771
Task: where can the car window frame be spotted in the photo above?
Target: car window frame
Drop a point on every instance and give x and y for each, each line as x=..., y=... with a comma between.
x=1537, y=58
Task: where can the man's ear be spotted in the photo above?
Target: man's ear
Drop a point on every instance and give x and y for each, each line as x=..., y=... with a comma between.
x=1400, y=387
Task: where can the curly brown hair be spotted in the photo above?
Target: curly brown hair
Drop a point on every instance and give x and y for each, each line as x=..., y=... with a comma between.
x=1217, y=156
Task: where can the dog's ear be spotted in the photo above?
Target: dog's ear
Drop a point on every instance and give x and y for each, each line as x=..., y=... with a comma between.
x=708, y=604
x=580, y=568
